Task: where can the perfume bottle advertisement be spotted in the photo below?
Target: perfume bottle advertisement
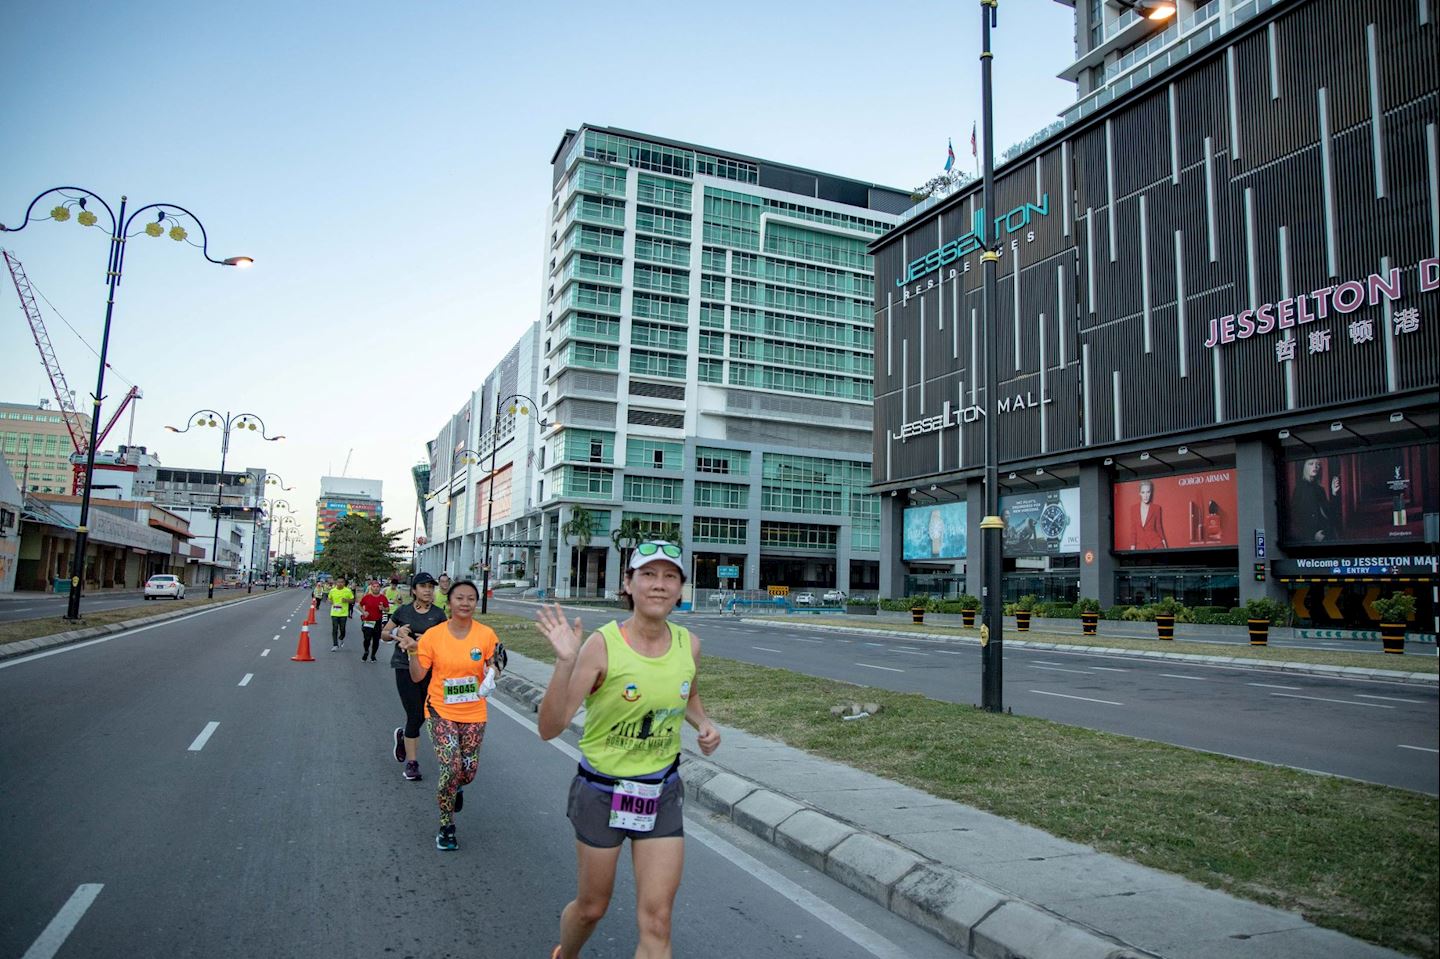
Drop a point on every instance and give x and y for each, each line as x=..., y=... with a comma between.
x=1378, y=496
x=1182, y=511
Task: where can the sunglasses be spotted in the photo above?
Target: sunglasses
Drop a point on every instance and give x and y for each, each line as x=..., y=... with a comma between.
x=650, y=549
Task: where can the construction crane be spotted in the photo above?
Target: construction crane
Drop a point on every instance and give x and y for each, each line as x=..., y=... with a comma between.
x=346, y=469
x=64, y=397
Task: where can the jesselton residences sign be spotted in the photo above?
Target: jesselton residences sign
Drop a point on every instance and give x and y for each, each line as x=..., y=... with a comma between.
x=1305, y=308
x=960, y=247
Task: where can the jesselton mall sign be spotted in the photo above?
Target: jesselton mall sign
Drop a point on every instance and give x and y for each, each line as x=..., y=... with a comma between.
x=950, y=416
x=1343, y=298
x=1006, y=224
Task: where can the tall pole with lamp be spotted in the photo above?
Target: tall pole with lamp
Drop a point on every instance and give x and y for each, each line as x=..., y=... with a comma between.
x=271, y=508
x=269, y=479
x=462, y=456
x=516, y=403
x=73, y=198
x=992, y=632
x=225, y=422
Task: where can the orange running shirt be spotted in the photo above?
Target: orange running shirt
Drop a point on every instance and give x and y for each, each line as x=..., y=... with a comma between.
x=457, y=668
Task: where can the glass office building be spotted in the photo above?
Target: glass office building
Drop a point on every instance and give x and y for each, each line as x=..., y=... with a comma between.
x=707, y=359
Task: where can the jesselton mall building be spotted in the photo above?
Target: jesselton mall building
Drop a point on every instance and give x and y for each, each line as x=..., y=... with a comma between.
x=1218, y=328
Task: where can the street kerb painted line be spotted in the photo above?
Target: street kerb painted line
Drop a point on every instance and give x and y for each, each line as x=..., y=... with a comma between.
x=857, y=933
x=65, y=921
x=70, y=645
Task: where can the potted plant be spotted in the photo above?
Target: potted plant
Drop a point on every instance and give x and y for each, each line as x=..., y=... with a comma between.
x=1259, y=614
x=969, y=605
x=1395, y=612
x=1089, y=615
x=1024, y=607
x=859, y=606
x=917, y=609
x=1165, y=612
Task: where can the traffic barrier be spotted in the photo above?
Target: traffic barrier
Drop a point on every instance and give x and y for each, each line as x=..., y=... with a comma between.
x=1165, y=626
x=302, y=650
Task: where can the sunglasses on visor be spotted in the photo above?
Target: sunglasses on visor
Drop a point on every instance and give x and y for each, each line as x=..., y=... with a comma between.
x=650, y=549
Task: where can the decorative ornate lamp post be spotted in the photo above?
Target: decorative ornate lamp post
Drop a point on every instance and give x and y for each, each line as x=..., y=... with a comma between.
x=515, y=403
x=226, y=422
x=74, y=198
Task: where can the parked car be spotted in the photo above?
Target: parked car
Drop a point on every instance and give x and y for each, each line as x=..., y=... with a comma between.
x=804, y=599
x=834, y=597
x=163, y=585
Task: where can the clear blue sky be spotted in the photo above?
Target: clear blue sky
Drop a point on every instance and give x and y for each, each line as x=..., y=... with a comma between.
x=387, y=165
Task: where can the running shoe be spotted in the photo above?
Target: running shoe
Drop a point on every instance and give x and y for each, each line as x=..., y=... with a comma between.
x=412, y=770
x=459, y=799
x=399, y=744
x=445, y=839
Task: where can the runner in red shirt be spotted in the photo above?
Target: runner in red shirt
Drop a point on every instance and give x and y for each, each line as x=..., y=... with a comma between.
x=373, y=607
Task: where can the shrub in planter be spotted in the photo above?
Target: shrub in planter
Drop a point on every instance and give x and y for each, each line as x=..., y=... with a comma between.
x=1026, y=603
x=1087, y=605
x=1089, y=610
x=969, y=606
x=1395, y=611
x=1277, y=614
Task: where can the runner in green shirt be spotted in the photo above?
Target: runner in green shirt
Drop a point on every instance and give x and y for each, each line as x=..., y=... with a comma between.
x=442, y=594
x=341, y=596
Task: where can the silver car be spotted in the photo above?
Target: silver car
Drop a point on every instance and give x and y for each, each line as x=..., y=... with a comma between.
x=164, y=585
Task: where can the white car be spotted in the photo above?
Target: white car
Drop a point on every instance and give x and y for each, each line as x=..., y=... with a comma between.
x=157, y=586
x=804, y=599
x=833, y=597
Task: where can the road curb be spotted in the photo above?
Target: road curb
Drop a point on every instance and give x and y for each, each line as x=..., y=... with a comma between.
x=956, y=907
x=24, y=647
x=1316, y=669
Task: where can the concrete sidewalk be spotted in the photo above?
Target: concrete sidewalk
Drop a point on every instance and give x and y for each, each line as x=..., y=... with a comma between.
x=982, y=883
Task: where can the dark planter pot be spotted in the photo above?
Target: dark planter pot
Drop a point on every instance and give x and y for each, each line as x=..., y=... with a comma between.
x=967, y=617
x=1259, y=631
x=1392, y=638
x=917, y=614
x=1022, y=620
x=1165, y=626
x=860, y=610
x=1090, y=623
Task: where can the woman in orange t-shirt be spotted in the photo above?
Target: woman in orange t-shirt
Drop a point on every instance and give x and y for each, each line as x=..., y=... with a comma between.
x=461, y=657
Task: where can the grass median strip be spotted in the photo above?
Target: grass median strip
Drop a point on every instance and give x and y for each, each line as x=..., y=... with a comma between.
x=13, y=632
x=1274, y=654
x=1351, y=856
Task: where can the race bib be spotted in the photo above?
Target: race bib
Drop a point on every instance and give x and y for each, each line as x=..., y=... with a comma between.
x=461, y=689
x=634, y=805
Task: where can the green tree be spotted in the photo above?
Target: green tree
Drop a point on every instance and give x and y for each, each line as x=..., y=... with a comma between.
x=629, y=532
x=578, y=529
x=360, y=546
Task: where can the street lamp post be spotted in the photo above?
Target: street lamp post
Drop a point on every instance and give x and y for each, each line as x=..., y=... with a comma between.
x=993, y=630
x=72, y=197
x=269, y=479
x=225, y=421
x=511, y=401
x=271, y=507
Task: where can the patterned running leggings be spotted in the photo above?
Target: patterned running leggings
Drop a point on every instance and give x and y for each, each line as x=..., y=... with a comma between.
x=457, y=750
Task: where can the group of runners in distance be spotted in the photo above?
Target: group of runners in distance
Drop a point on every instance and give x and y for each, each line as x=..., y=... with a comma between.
x=638, y=680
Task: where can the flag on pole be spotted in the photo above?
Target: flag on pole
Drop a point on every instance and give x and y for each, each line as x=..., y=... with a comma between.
x=950, y=157
x=974, y=148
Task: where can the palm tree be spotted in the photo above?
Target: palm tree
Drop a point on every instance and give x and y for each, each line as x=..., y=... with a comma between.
x=670, y=533
x=577, y=530
x=625, y=535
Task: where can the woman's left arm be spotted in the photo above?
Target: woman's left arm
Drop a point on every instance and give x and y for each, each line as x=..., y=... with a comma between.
x=709, y=739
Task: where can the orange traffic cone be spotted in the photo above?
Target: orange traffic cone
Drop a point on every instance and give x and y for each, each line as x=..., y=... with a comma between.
x=310, y=619
x=302, y=651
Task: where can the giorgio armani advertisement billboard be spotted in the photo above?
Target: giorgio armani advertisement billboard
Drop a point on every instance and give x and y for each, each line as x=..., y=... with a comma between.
x=1378, y=496
x=1185, y=511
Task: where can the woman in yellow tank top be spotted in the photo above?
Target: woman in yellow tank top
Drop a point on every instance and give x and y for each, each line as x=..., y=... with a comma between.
x=638, y=680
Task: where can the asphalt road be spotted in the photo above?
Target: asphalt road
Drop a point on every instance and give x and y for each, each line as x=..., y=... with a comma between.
x=1376, y=731
x=231, y=803
x=43, y=605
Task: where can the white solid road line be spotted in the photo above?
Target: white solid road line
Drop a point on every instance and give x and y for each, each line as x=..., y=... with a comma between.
x=1060, y=669
x=64, y=922
x=265, y=651
x=1198, y=679
x=1343, y=702
x=862, y=936
x=1419, y=749
x=1106, y=702
x=768, y=649
x=1391, y=699
x=1110, y=669
x=246, y=680
x=204, y=737
x=797, y=639
x=1046, y=662
x=887, y=669
x=1293, y=689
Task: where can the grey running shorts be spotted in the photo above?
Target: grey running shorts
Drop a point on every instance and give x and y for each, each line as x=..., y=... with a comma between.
x=589, y=812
